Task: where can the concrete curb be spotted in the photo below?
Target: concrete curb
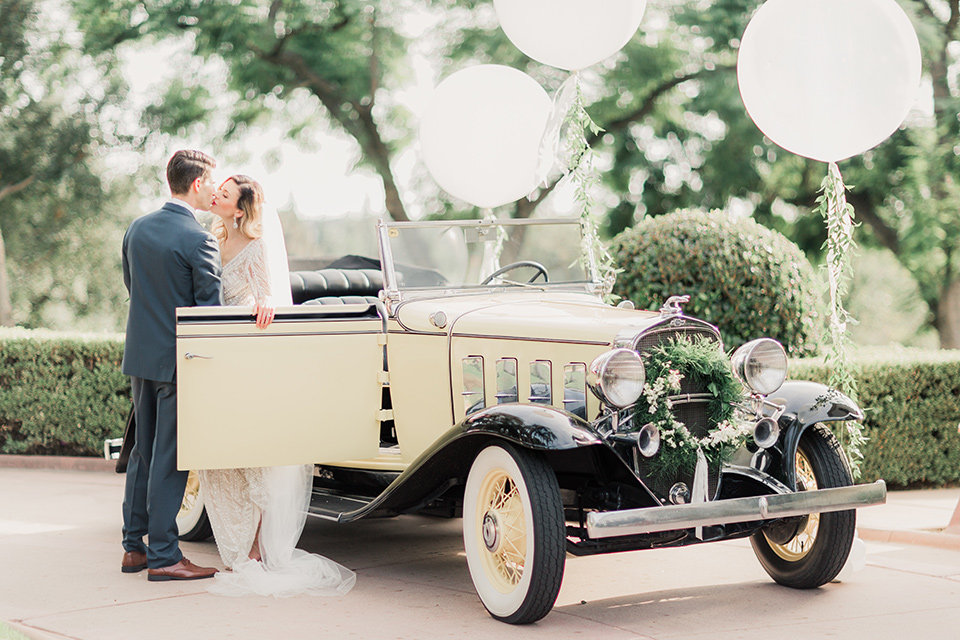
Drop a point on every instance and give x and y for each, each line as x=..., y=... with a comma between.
x=68, y=463
x=32, y=633
x=925, y=538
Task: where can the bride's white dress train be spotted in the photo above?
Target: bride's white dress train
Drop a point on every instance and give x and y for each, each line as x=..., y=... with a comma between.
x=236, y=500
x=275, y=498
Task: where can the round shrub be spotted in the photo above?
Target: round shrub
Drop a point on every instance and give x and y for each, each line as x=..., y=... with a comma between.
x=748, y=280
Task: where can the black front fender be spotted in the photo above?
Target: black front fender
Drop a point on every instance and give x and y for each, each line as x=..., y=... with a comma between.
x=448, y=460
x=807, y=403
x=532, y=426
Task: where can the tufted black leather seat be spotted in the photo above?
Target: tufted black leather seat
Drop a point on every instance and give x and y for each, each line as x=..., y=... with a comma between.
x=335, y=283
x=335, y=300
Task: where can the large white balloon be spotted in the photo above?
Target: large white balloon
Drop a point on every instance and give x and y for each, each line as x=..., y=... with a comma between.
x=828, y=79
x=480, y=134
x=569, y=34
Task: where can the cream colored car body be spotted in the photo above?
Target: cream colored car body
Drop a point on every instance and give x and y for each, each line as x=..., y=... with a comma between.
x=307, y=389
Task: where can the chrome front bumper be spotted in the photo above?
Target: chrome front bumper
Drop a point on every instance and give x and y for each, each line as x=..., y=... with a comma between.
x=608, y=524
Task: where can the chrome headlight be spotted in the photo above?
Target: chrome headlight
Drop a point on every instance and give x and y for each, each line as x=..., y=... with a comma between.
x=617, y=377
x=761, y=365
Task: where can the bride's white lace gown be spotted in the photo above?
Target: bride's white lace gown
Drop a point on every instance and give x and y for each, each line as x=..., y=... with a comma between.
x=276, y=498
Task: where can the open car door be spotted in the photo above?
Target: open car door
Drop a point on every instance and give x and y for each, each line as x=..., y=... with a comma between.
x=304, y=390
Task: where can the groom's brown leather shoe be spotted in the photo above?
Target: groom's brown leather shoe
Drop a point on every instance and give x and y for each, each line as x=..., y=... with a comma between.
x=133, y=561
x=183, y=570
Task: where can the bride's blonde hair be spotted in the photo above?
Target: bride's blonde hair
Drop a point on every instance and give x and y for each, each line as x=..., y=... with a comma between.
x=250, y=202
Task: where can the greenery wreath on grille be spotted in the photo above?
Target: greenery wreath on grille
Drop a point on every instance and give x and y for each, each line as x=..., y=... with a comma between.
x=707, y=367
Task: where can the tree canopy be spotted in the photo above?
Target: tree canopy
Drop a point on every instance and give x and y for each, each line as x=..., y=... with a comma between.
x=675, y=133
x=58, y=216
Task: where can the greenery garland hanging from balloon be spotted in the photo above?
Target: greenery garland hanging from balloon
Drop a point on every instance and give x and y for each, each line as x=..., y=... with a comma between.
x=828, y=80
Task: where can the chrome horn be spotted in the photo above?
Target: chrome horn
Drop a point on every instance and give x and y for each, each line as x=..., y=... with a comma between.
x=648, y=440
x=766, y=432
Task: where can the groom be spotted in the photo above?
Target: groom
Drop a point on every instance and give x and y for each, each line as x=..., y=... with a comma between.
x=169, y=261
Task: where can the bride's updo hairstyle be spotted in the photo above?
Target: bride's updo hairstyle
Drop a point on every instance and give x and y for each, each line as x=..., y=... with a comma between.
x=250, y=201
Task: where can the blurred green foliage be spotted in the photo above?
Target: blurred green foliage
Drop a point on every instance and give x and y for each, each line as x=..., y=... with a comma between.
x=748, y=280
x=60, y=394
x=61, y=220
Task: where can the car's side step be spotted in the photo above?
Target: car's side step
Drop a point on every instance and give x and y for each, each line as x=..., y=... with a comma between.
x=330, y=507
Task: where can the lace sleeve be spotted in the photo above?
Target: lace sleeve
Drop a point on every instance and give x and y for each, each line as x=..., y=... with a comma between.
x=259, y=275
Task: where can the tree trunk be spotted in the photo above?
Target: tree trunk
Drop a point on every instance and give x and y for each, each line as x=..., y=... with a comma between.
x=6, y=311
x=947, y=319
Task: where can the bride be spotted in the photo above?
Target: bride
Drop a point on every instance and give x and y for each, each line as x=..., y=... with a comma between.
x=258, y=514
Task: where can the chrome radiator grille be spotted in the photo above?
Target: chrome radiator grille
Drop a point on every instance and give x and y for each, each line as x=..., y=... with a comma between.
x=689, y=408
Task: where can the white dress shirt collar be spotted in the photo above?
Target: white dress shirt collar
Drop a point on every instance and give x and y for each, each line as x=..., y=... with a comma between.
x=184, y=204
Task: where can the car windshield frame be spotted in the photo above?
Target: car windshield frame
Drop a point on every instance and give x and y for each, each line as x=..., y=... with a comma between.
x=395, y=290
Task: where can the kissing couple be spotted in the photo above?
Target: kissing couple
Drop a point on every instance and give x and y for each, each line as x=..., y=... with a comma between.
x=170, y=260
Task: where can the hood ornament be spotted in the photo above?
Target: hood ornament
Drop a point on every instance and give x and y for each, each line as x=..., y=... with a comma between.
x=672, y=307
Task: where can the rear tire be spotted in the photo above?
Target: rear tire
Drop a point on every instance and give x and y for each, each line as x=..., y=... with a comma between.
x=514, y=533
x=192, y=521
x=817, y=551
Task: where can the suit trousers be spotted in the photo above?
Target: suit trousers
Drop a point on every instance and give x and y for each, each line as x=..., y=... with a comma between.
x=154, y=489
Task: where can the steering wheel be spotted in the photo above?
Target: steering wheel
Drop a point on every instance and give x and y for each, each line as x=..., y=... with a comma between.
x=541, y=271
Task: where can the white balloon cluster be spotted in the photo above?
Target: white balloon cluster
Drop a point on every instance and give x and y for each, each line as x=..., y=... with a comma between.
x=482, y=131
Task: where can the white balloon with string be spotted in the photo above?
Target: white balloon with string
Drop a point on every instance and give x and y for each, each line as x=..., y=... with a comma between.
x=481, y=132
x=829, y=79
x=569, y=34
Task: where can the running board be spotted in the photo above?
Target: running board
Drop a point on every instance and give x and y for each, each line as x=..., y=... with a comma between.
x=608, y=524
x=333, y=507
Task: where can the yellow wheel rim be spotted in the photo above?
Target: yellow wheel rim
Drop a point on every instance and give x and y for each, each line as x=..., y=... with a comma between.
x=501, y=531
x=191, y=494
x=802, y=543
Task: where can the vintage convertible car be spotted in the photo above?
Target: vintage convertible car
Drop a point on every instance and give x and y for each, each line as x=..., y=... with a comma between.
x=475, y=370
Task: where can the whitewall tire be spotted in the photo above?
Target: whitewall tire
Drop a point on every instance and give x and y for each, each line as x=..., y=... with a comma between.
x=513, y=533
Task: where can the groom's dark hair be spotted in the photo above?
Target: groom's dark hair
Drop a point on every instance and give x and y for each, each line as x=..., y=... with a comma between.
x=186, y=166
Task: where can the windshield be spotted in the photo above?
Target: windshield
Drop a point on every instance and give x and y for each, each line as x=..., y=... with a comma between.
x=468, y=254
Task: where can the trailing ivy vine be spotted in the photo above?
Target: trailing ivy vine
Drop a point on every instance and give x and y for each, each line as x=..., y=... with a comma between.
x=581, y=159
x=839, y=217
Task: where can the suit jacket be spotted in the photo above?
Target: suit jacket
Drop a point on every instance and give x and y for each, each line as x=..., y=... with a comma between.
x=169, y=261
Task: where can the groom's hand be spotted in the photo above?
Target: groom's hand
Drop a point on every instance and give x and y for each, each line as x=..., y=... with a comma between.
x=264, y=316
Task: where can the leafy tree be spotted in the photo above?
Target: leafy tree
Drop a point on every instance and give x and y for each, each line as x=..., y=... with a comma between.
x=58, y=217
x=347, y=56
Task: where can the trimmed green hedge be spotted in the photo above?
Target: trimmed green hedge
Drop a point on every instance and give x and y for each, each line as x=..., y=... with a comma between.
x=912, y=402
x=748, y=280
x=63, y=394
x=60, y=394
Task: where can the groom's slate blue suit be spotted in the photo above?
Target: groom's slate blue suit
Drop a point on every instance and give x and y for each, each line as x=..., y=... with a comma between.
x=169, y=261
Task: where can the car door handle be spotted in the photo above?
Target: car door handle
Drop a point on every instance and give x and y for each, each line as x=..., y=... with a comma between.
x=191, y=356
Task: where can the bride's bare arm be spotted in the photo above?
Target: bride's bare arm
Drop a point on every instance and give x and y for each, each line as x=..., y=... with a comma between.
x=260, y=284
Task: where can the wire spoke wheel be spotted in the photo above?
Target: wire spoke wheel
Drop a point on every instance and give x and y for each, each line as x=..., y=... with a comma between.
x=513, y=533
x=801, y=544
x=815, y=551
x=192, y=522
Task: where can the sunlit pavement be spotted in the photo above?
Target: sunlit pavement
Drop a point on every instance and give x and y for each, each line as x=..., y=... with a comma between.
x=60, y=578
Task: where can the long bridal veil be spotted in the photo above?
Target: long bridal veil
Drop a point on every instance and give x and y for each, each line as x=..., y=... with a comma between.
x=278, y=266
x=284, y=570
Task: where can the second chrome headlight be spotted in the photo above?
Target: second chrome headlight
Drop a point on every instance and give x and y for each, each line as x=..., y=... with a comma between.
x=761, y=365
x=617, y=377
